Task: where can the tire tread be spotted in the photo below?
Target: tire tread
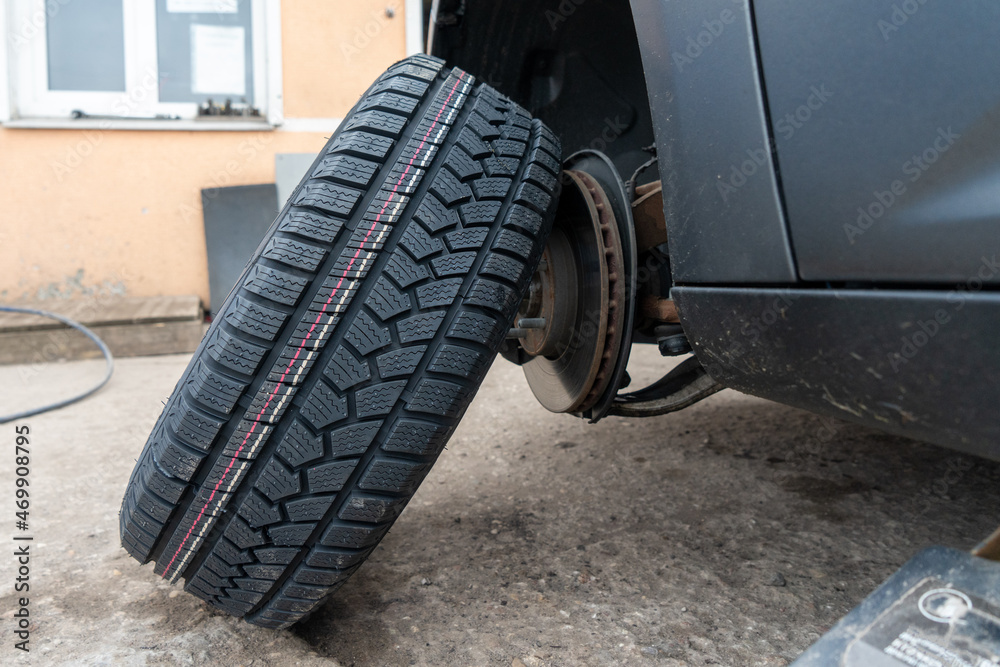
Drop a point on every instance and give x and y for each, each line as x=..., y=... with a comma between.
x=349, y=350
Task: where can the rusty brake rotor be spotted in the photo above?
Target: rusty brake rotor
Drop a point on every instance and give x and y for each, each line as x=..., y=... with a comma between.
x=572, y=321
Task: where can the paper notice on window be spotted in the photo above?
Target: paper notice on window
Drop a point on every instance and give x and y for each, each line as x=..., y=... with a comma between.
x=202, y=6
x=218, y=61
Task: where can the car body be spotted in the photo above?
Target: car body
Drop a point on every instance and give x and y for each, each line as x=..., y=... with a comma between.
x=830, y=183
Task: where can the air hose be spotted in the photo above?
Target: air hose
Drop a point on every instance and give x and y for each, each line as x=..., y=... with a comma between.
x=109, y=366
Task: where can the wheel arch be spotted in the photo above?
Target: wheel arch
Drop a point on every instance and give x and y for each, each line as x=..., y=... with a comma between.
x=576, y=64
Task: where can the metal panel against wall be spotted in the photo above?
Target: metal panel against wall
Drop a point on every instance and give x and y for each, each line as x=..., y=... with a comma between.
x=289, y=170
x=236, y=220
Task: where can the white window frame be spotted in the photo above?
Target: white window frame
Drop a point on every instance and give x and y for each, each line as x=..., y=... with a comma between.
x=414, y=43
x=25, y=100
x=414, y=26
x=5, y=107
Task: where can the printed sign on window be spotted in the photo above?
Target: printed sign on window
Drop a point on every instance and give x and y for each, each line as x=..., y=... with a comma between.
x=218, y=61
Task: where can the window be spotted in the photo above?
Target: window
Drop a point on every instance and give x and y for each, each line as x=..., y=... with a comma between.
x=206, y=64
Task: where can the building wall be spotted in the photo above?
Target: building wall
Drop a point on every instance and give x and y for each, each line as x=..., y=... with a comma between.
x=120, y=211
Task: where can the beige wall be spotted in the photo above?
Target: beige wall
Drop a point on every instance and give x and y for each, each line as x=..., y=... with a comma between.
x=349, y=42
x=124, y=207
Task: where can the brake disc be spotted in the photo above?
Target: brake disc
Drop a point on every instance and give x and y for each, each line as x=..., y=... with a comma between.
x=576, y=303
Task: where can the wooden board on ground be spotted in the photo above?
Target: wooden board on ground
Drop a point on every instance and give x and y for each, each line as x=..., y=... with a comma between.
x=131, y=326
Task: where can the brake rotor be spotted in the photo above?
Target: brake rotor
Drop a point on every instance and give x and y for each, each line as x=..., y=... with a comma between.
x=576, y=302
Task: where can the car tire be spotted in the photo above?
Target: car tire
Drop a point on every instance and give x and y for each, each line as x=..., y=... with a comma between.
x=340, y=364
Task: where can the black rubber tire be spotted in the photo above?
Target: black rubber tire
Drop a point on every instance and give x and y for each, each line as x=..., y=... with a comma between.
x=341, y=363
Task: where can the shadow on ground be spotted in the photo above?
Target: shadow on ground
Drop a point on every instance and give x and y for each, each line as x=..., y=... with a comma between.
x=734, y=533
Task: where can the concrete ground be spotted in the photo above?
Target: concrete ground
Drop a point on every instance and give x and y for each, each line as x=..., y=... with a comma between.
x=733, y=533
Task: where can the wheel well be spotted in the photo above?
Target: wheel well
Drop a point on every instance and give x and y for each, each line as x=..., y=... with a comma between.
x=573, y=63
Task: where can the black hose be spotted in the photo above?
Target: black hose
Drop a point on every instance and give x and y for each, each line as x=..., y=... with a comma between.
x=109, y=367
